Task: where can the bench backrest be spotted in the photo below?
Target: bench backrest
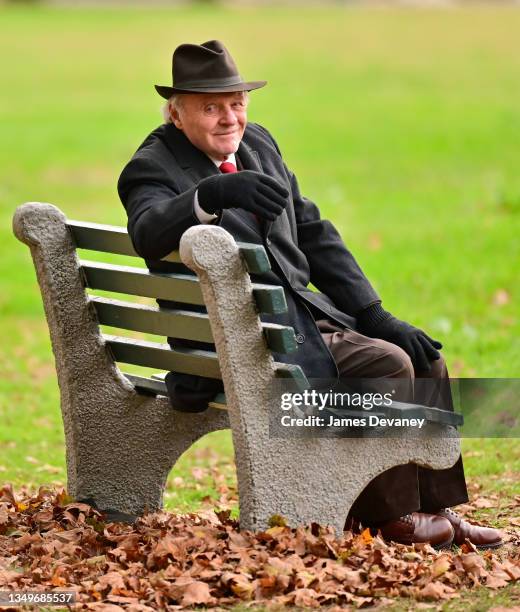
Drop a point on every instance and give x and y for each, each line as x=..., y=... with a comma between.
x=86, y=358
x=178, y=323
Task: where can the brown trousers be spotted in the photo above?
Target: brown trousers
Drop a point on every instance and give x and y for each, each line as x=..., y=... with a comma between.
x=405, y=488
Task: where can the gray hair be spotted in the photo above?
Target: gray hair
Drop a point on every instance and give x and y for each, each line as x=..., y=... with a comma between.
x=174, y=101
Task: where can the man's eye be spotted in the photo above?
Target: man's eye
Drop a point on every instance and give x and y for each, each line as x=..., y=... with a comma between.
x=210, y=108
x=238, y=105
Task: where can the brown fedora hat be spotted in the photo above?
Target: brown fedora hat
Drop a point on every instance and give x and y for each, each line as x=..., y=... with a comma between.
x=205, y=68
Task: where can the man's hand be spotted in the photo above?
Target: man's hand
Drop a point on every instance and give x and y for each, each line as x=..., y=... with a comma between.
x=250, y=190
x=378, y=323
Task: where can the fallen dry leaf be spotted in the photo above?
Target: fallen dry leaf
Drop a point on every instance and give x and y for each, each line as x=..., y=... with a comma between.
x=435, y=591
x=196, y=593
x=483, y=502
x=441, y=565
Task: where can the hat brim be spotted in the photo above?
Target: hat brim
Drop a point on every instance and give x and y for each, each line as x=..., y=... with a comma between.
x=167, y=92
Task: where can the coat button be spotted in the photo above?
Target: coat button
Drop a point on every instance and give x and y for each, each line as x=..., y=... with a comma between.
x=300, y=338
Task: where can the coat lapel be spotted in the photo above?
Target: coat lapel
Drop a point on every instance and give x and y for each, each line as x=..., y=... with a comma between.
x=192, y=160
x=250, y=160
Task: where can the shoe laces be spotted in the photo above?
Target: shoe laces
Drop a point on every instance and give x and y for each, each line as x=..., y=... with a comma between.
x=407, y=518
x=451, y=512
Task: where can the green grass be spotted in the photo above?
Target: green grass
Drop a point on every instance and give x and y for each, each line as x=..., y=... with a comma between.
x=402, y=124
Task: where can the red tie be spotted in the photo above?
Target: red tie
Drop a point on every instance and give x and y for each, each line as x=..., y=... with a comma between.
x=227, y=168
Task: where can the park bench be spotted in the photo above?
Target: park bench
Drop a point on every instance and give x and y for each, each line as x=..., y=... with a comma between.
x=122, y=436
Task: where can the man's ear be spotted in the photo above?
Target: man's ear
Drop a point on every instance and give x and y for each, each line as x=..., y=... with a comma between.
x=176, y=119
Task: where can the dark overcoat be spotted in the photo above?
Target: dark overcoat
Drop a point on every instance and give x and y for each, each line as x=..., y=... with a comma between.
x=157, y=189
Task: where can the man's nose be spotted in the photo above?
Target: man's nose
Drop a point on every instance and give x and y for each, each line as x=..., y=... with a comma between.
x=228, y=116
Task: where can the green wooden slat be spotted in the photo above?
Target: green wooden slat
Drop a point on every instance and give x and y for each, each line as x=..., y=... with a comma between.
x=431, y=414
x=153, y=320
x=158, y=387
x=115, y=239
x=150, y=385
x=138, y=281
x=283, y=370
x=161, y=356
x=280, y=338
x=293, y=373
x=286, y=371
x=98, y=237
x=159, y=375
x=255, y=257
x=178, y=323
x=107, y=238
x=270, y=299
x=220, y=399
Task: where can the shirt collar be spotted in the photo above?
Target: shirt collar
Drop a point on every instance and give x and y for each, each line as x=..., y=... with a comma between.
x=230, y=158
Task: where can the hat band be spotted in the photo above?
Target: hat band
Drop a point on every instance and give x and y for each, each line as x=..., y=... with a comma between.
x=226, y=81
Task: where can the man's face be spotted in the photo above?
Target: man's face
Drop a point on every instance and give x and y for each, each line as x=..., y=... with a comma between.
x=214, y=123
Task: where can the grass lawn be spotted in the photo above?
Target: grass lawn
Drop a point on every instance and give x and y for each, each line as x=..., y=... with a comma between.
x=402, y=124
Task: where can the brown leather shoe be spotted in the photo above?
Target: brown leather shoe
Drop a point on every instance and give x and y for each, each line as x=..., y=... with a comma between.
x=418, y=527
x=481, y=537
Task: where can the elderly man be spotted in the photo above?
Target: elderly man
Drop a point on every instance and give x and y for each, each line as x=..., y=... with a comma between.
x=206, y=164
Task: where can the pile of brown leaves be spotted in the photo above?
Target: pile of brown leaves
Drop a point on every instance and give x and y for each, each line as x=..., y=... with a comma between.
x=47, y=542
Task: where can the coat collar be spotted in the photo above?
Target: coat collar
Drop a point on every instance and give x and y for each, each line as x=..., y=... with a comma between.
x=196, y=163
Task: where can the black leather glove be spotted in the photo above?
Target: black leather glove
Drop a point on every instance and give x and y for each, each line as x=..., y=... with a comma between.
x=253, y=191
x=376, y=322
